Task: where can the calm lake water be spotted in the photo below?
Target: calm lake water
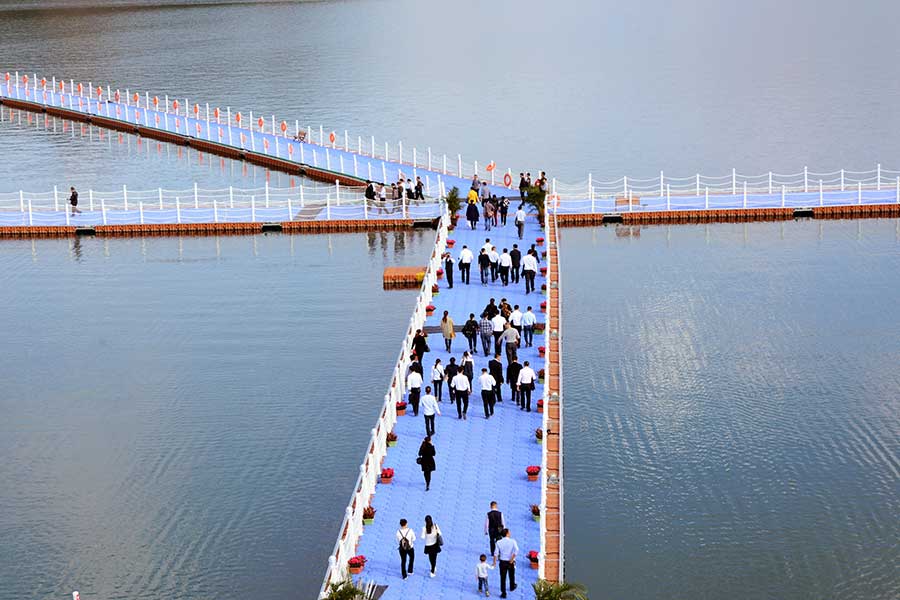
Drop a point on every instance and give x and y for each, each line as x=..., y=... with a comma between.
x=185, y=417
x=733, y=410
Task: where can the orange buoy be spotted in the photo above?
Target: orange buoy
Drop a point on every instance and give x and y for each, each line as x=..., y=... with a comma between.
x=62, y=84
x=99, y=91
x=155, y=100
x=261, y=122
x=136, y=97
x=196, y=109
x=331, y=137
x=491, y=166
x=507, y=180
x=175, y=104
x=283, y=126
x=43, y=82
x=237, y=117
x=7, y=75
x=80, y=88
x=216, y=113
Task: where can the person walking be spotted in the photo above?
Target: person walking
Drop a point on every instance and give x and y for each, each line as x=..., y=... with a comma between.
x=420, y=344
x=495, y=263
x=488, y=216
x=448, y=269
x=525, y=383
x=515, y=318
x=486, y=328
x=465, y=264
x=495, y=368
x=528, y=321
x=420, y=189
x=499, y=324
x=461, y=387
x=430, y=408
x=484, y=264
x=529, y=270
x=504, y=210
x=467, y=365
x=505, y=263
x=431, y=536
x=515, y=256
x=510, y=338
x=523, y=186
x=506, y=552
x=519, y=220
x=414, y=385
x=494, y=524
x=73, y=200
x=470, y=331
x=447, y=330
x=512, y=377
x=451, y=371
x=487, y=383
x=481, y=574
x=491, y=309
x=437, y=379
x=426, y=460
x=406, y=539
x=472, y=212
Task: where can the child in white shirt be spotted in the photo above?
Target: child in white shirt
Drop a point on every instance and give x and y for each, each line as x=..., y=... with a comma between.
x=481, y=573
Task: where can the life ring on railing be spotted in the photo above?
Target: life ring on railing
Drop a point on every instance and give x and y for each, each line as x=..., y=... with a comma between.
x=331, y=137
x=196, y=110
x=62, y=85
x=43, y=82
x=216, y=113
x=155, y=100
x=175, y=105
x=261, y=123
x=283, y=126
x=136, y=97
x=237, y=117
x=507, y=180
x=80, y=88
x=116, y=95
x=7, y=75
x=491, y=166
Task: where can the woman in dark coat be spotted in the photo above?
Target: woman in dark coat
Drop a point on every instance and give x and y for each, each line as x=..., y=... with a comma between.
x=426, y=459
x=420, y=345
x=472, y=215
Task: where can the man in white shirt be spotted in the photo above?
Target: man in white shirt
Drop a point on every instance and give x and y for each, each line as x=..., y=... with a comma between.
x=528, y=321
x=405, y=540
x=487, y=245
x=505, y=264
x=499, y=324
x=520, y=221
x=529, y=270
x=465, y=264
x=462, y=388
x=506, y=552
x=487, y=383
x=525, y=384
x=494, y=257
x=515, y=317
x=429, y=409
x=414, y=385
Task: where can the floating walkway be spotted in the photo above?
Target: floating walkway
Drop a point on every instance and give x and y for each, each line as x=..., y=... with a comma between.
x=478, y=460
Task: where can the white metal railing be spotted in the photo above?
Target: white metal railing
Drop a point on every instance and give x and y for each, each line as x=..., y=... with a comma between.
x=352, y=525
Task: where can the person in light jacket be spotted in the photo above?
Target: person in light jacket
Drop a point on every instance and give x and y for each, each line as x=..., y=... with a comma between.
x=447, y=330
x=426, y=460
x=430, y=535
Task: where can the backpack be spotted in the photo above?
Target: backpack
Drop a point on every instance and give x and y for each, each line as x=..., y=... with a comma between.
x=404, y=542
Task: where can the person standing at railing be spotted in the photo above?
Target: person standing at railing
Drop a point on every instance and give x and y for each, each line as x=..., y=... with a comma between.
x=448, y=270
x=414, y=385
x=487, y=383
x=73, y=200
x=465, y=264
x=470, y=331
x=437, y=379
x=447, y=330
x=406, y=538
x=426, y=460
x=429, y=408
x=525, y=384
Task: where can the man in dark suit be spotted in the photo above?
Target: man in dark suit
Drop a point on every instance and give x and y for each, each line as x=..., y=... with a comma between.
x=516, y=255
x=495, y=367
x=512, y=376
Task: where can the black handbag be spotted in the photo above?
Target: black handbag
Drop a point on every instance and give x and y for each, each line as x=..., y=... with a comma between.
x=418, y=460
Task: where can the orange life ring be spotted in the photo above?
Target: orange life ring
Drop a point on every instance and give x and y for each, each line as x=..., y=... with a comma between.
x=155, y=100
x=331, y=137
x=43, y=82
x=136, y=97
x=196, y=109
x=283, y=126
x=237, y=117
x=507, y=180
x=216, y=113
x=175, y=104
x=80, y=88
x=7, y=76
x=99, y=91
x=491, y=166
x=260, y=122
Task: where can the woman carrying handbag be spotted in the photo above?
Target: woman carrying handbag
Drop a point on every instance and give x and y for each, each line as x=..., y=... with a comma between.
x=431, y=534
x=426, y=460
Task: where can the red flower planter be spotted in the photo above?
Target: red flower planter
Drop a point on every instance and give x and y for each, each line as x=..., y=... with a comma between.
x=401, y=409
x=544, y=306
x=440, y=273
x=542, y=350
x=429, y=310
x=435, y=289
x=540, y=241
x=543, y=271
x=540, y=407
x=387, y=475
x=451, y=243
x=533, y=472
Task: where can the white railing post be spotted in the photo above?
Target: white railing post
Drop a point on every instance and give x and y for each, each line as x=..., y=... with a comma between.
x=745, y=194
x=898, y=190
x=859, y=192
x=429, y=158
x=337, y=191
x=821, y=195
x=125, y=196
x=842, y=180
x=215, y=210
x=267, y=194
x=386, y=154
x=328, y=207
x=698, y=184
x=178, y=209
x=355, y=167
x=302, y=201
x=415, y=159
x=403, y=204
x=341, y=157
x=252, y=209
x=770, y=182
x=369, y=165
x=91, y=199
x=290, y=209
x=66, y=212
x=31, y=214
x=327, y=158
x=359, y=145
x=662, y=188
x=591, y=192
x=805, y=180
x=365, y=208
x=782, y=196
x=103, y=210
x=706, y=205
x=22, y=201
x=734, y=182
x=384, y=172
x=459, y=165
x=625, y=185
x=141, y=210
x=668, y=197
x=878, y=177
x=55, y=199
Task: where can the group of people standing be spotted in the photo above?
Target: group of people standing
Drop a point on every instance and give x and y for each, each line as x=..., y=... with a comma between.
x=403, y=188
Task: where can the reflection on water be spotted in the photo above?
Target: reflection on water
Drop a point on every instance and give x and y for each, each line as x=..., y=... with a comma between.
x=732, y=407
x=169, y=407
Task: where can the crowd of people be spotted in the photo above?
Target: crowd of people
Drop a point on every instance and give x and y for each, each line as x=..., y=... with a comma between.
x=497, y=334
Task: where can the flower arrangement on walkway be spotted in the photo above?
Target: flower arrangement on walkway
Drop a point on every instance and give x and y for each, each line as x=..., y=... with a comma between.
x=541, y=376
x=539, y=241
x=542, y=350
x=435, y=289
x=536, y=512
x=533, y=471
x=540, y=406
x=543, y=271
x=544, y=306
x=451, y=243
x=429, y=310
x=440, y=273
x=387, y=475
x=533, y=558
x=356, y=564
x=368, y=515
x=539, y=435
x=539, y=327
x=401, y=408
x=392, y=437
